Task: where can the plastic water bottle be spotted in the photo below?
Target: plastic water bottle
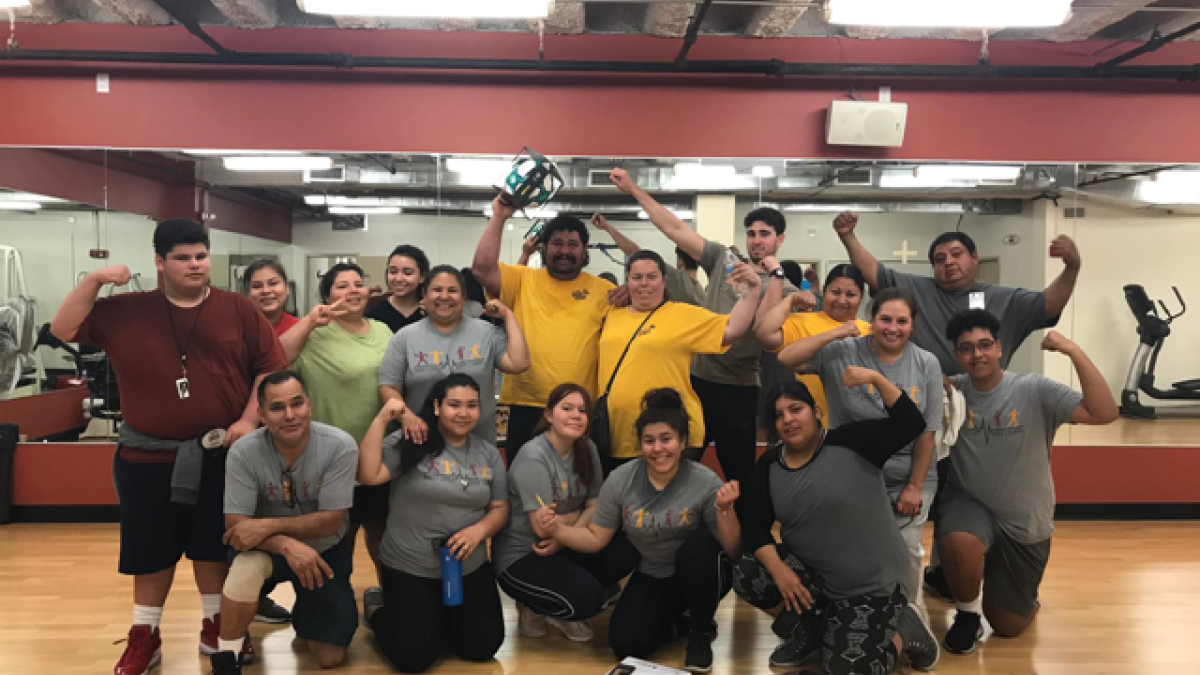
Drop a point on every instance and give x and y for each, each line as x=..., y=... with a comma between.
x=452, y=586
x=805, y=285
x=731, y=259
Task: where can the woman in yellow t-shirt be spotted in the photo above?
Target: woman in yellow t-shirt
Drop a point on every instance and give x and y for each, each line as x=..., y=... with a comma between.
x=661, y=356
x=776, y=328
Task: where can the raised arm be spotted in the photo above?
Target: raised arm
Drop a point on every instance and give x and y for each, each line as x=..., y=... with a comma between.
x=371, y=470
x=78, y=303
x=294, y=339
x=742, y=314
x=877, y=440
x=528, y=248
x=774, y=308
x=668, y=223
x=1058, y=293
x=486, y=265
x=627, y=245
x=800, y=352
x=517, y=358
x=860, y=257
x=1098, y=405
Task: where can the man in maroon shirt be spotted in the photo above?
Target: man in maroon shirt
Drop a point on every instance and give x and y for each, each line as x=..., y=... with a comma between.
x=187, y=359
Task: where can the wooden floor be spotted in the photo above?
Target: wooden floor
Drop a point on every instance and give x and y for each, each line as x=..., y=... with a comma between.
x=1120, y=598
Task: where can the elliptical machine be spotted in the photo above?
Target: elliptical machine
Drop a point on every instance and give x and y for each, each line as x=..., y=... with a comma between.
x=1153, y=330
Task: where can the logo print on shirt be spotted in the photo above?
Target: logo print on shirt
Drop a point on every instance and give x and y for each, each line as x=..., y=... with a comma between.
x=581, y=294
x=641, y=515
x=1014, y=418
x=683, y=516
x=436, y=357
x=474, y=352
x=421, y=360
x=1000, y=424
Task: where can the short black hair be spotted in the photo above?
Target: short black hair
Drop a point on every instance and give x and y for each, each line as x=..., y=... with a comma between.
x=947, y=237
x=846, y=271
x=471, y=286
x=445, y=269
x=258, y=266
x=769, y=216
x=178, y=232
x=278, y=377
x=793, y=272
x=410, y=251
x=888, y=295
x=331, y=276
x=688, y=261
x=563, y=224
x=965, y=322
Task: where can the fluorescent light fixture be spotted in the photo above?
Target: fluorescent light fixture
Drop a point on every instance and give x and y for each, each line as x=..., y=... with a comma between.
x=467, y=165
x=696, y=176
x=227, y=153
x=344, y=200
x=763, y=171
x=276, y=163
x=1170, y=187
x=682, y=214
x=425, y=9
x=833, y=208
x=20, y=206
x=364, y=210
x=28, y=197
x=13, y=4
x=949, y=13
x=543, y=214
x=949, y=176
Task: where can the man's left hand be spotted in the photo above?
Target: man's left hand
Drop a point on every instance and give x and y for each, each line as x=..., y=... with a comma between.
x=237, y=430
x=1064, y=247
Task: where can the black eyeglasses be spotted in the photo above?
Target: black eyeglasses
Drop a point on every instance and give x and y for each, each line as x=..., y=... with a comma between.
x=967, y=348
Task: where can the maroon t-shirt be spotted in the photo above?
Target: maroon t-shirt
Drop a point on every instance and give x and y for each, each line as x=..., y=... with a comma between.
x=232, y=344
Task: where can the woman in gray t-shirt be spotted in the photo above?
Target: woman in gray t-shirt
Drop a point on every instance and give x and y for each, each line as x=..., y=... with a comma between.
x=448, y=491
x=558, y=468
x=679, y=517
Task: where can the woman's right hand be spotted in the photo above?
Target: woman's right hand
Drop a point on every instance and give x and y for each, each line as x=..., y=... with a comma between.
x=414, y=427
x=795, y=596
x=847, y=330
x=547, y=519
x=855, y=376
x=321, y=315
x=392, y=410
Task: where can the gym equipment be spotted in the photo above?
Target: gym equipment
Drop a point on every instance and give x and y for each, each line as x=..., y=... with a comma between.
x=532, y=181
x=1153, y=330
x=19, y=359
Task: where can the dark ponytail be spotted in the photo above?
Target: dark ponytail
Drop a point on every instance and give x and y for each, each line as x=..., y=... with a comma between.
x=664, y=406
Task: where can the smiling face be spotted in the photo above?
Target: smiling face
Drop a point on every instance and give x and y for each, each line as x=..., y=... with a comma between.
x=444, y=298
x=350, y=288
x=569, y=417
x=403, y=276
x=268, y=291
x=762, y=241
x=647, y=285
x=892, y=325
x=796, y=422
x=954, y=267
x=978, y=352
x=662, y=447
x=841, y=299
x=565, y=254
x=286, y=413
x=458, y=413
x=186, y=268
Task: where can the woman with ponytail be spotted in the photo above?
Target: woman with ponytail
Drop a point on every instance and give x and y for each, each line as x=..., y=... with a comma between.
x=679, y=516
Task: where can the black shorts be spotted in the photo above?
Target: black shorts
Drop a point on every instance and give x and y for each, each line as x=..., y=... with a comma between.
x=370, y=505
x=155, y=533
x=326, y=614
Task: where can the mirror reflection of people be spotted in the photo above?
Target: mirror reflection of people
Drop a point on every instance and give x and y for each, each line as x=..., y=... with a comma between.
x=996, y=514
x=407, y=267
x=449, y=490
x=682, y=284
x=266, y=284
x=288, y=489
x=170, y=486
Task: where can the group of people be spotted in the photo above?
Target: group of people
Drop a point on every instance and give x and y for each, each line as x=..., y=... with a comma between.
x=259, y=444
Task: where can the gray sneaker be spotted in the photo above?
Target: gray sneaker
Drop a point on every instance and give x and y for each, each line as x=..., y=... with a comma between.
x=920, y=645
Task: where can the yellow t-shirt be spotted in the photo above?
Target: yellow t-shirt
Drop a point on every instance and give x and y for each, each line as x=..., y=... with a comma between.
x=808, y=324
x=561, y=321
x=661, y=356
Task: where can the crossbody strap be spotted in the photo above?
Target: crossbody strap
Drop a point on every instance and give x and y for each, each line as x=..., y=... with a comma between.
x=627, y=346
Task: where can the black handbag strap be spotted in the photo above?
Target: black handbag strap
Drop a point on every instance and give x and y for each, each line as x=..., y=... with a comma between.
x=627, y=346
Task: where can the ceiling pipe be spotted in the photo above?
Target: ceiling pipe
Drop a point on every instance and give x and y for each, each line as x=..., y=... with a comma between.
x=1188, y=73
x=1156, y=43
x=693, y=31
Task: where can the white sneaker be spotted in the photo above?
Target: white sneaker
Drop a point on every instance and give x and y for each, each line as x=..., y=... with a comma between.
x=575, y=631
x=530, y=623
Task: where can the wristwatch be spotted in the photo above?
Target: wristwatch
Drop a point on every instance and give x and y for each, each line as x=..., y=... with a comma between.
x=777, y=273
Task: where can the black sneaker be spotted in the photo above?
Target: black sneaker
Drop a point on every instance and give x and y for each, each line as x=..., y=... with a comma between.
x=225, y=663
x=270, y=612
x=372, y=601
x=792, y=654
x=964, y=633
x=936, y=584
x=699, y=656
x=920, y=646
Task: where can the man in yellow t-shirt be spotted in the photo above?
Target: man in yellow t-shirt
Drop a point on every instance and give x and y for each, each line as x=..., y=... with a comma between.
x=560, y=308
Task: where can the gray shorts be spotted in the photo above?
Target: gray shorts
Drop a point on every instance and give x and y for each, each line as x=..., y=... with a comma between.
x=1012, y=572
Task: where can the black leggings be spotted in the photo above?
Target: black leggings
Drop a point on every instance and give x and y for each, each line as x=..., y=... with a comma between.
x=569, y=585
x=414, y=629
x=650, y=609
x=522, y=420
x=729, y=422
x=854, y=634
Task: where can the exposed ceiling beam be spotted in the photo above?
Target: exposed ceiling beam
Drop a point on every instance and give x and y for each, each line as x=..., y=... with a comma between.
x=867, y=32
x=567, y=18
x=40, y=11
x=257, y=14
x=1084, y=23
x=769, y=22
x=137, y=12
x=668, y=19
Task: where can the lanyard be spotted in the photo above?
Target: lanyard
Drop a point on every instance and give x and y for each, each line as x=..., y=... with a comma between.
x=183, y=348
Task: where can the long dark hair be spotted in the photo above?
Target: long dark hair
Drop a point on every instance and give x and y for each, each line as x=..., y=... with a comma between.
x=581, y=448
x=412, y=454
x=791, y=389
x=663, y=406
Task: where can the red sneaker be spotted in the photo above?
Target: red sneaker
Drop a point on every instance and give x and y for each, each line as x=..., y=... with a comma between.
x=210, y=634
x=142, y=652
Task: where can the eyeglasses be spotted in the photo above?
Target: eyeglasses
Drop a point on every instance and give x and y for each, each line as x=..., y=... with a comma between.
x=967, y=348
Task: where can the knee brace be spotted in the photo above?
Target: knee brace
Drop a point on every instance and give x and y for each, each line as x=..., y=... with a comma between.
x=247, y=574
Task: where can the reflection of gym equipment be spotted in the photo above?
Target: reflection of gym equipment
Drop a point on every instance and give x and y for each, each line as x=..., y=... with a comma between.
x=20, y=363
x=1153, y=330
x=103, y=407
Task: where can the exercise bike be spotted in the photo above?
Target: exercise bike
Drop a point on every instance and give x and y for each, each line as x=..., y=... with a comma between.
x=1153, y=330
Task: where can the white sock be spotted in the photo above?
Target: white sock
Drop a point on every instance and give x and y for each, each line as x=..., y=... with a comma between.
x=234, y=646
x=212, y=605
x=147, y=616
x=975, y=606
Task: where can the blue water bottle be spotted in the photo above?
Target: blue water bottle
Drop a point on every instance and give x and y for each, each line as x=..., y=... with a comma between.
x=452, y=588
x=805, y=285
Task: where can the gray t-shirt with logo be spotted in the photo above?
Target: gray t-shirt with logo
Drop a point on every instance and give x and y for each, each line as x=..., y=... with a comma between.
x=916, y=372
x=1020, y=311
x=437, y=498
x=540, y=472
x=259, y=485
x=739, y=364
x=1002, y=457
x=658, y=522
x=420, y=355
x=683, y=288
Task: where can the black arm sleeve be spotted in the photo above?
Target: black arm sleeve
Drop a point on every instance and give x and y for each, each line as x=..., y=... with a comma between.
x=757, y=515
x=877, y=440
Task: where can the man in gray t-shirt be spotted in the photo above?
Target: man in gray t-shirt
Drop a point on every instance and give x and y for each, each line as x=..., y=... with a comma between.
x=998, y=506
x=419, y=356
x=955, y=288
x=288, y=489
